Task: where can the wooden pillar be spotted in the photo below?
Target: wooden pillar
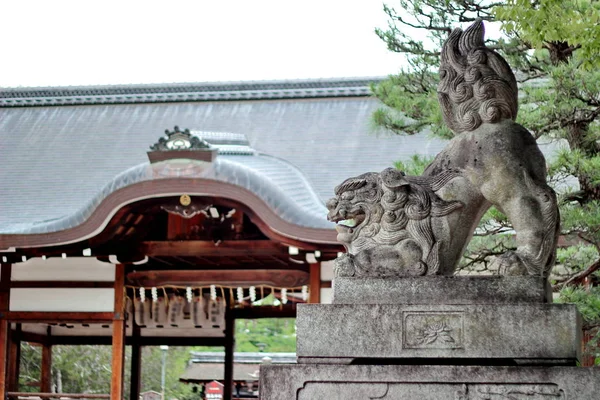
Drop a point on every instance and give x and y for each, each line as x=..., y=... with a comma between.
x=5, y=278
x=315, y=283
x=14, y=359
x=229, y=347
x=118, y=337
x=46, y=381
x=136, y=364
x=3, y=356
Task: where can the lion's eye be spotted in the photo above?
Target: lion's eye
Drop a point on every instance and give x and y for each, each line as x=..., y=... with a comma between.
x=347, y=195
x=332, y=203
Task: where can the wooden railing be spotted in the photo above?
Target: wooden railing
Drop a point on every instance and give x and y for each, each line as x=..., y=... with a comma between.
x=61, y=396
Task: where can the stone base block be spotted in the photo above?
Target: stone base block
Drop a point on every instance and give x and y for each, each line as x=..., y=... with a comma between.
x=500, y=334
x=344, y=382
x=442, y=290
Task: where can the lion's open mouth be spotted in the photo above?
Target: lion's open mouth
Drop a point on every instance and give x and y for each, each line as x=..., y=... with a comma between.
x=348, y=224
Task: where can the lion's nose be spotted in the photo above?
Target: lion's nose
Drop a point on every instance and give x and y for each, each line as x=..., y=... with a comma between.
x=332, y=203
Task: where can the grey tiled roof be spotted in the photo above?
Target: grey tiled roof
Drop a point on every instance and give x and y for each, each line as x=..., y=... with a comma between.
x=58, y=159
x=45, y=96
x=243, y=357
x=207, y=372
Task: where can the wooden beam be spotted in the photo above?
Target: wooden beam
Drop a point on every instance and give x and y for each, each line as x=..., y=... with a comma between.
x=274, y=277
x=229, y=348
x=315, y=283
x=14, y=359
x=16, y=395
x=46, y=379
x=5, y=279
x=118, y=336
x=226, y=248
x=201, y=264
x=3, y=356
x=135, y=377
x=34, y=338
x=118, y=360
x=53, y=317
x=61, y=284
x=212, y=341
x=285, y=311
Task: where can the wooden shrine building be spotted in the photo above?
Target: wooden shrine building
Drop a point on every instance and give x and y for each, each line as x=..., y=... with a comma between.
x=113, y=234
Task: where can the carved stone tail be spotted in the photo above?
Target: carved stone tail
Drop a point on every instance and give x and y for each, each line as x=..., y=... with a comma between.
x=476, y=84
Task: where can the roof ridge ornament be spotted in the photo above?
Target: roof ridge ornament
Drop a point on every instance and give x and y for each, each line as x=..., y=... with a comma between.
x=179, y=140
x=178, y=144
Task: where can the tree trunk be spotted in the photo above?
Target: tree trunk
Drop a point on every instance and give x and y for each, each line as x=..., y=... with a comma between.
x=560, y=52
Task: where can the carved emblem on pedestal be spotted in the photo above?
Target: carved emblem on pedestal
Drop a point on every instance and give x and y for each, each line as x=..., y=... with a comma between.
x=437, y=330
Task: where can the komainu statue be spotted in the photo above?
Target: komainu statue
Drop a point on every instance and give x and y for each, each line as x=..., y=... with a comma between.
x=397, y=225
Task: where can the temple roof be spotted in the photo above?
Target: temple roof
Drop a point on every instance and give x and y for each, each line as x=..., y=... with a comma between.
x=60, y=161
x=209, y=366
x=177, y=92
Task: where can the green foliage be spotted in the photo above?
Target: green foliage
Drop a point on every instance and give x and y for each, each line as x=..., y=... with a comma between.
x=481, y=250
x=419, y=110
x=30, y=369
x=415, y=165
x=270, y=335
x=175, y=364
x=88, y=369
x=575, y=22
x=582, y=222
x=575, y=258
x=588, y=304
x=75, y=369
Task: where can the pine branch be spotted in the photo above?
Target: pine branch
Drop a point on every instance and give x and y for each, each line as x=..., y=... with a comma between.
x=429, y=27
x=579, y=277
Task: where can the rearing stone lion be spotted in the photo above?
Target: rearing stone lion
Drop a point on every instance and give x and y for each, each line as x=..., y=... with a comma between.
x=492, y=160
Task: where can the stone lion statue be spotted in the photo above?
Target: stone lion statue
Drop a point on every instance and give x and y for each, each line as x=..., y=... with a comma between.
x=393, y=224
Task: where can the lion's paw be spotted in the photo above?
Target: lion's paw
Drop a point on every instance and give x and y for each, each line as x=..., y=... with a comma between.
x=344, y=266
x=509, y=263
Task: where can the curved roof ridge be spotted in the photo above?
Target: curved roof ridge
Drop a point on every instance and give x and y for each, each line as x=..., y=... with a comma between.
x=179, y=92
x=278, y=184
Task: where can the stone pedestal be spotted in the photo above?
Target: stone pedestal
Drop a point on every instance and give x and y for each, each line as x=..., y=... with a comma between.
x=498, y=334
x=436, y=338
x=421, y=382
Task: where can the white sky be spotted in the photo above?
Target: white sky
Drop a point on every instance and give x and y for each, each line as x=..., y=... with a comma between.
x=59, y=43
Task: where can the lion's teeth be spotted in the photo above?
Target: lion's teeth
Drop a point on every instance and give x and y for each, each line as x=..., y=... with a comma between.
x=351, y=223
